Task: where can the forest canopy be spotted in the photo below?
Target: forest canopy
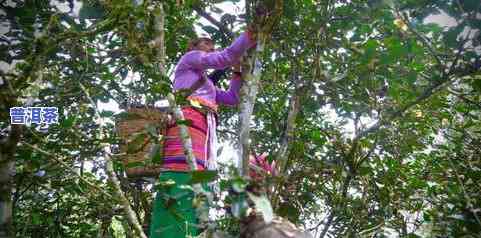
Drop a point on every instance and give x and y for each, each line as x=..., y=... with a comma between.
x=371, y=110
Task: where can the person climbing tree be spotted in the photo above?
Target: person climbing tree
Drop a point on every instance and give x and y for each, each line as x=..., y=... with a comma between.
x=173, y=212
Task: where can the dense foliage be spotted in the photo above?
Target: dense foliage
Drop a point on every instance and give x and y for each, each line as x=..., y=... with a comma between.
x=387, y=137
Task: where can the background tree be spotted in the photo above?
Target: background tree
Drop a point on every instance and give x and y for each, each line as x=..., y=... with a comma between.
x=372, y=109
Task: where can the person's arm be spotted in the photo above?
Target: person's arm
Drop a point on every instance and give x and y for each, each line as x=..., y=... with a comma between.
x=201, y=60
x=231, y=96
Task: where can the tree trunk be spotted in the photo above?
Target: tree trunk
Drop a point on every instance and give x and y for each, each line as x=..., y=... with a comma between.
x=252, y=69
x=6, y=172
x=249, y=93
x=256, y=227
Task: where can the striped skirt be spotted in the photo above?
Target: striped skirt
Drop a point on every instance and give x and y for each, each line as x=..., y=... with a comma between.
x=174, y=158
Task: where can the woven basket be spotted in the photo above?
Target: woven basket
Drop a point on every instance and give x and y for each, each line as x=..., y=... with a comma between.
x=134, y=122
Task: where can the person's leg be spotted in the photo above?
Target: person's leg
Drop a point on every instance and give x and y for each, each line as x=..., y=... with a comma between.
x=173, y=213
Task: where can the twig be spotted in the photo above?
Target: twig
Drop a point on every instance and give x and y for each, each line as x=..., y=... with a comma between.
x=66, y=166
x=189, y=155
x=184, y=133
x=330, y=218
x=223, y=28
x=422, y=39
x=131, y=216
x=294, y=108
x=463, y=189
x=426, y=94
x=227, y=132
x=282, y=155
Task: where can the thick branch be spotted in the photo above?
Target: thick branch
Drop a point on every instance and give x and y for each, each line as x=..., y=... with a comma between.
x=184, y=133
x=159, y=41
x=252, y=68
x=131, y=216
x=330, y=218
x=189, y=155
x=294, y=107
x=345, y=187
x=7, y=165
x=249, y=93
x=282, y=154
x=425, y=41
x=223, y=28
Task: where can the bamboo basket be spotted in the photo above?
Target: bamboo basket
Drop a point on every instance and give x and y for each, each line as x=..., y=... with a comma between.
x=135, y=121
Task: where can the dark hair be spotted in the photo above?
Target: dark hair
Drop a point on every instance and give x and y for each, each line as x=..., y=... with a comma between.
x=195, y=42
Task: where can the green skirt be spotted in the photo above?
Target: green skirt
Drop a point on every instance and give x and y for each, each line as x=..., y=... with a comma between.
x=173, y=214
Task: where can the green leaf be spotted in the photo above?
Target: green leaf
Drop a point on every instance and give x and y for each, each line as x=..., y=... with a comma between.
x=263, y=205
x=91, y=50
x=152, y=130
x=370, y=49
x=216, y=10
x=91, y=11
x=477, y=84
x=364, y=169
x=219, y=150
x=239, y=185
x=203, y=176
x=426, y=216
x=106, y=113
x=137, y=143
x=155, y=154
x=134, y=164
x=36, y=219
x=411, y=77
x=433, y=27
x=209, y=29
x=317, y=138
x=396, y=49
x=470, y=4
x=68, y=122
x=289, y=211
x=451, y=37
x=186, y=122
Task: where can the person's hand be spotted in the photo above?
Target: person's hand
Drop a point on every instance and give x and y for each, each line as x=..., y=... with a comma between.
x=236, y=68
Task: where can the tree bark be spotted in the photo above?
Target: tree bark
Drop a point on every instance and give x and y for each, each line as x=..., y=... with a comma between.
x=184, y=133
x=251, y=75
x=203, y=214
x=131, y=216
x=248, y=95
x=159, y=41
x=7, y=171
x=294, y=107
x=283, y=153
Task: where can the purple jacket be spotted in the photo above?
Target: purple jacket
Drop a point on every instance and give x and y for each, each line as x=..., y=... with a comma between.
x=192, y=67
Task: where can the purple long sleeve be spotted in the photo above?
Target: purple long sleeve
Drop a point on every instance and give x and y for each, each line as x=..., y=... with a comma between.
x=231, y=96
x=201, y=60
x=192, y=66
